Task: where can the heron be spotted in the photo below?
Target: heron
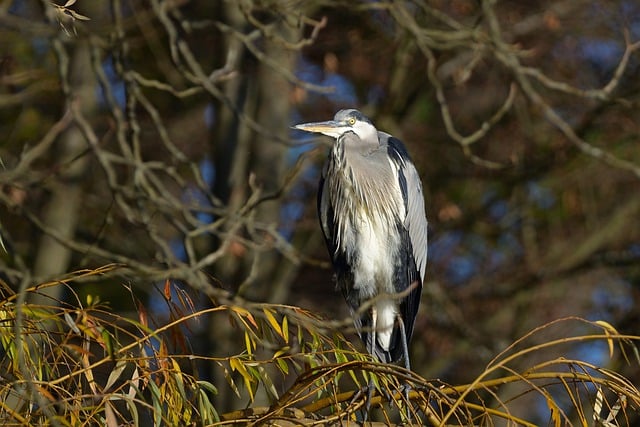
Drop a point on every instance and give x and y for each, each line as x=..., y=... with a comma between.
x=371, y=211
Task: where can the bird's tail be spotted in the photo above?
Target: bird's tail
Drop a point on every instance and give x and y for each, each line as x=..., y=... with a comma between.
x=395, y=353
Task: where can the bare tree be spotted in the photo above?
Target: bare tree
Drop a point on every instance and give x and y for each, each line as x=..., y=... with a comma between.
x=521, y=117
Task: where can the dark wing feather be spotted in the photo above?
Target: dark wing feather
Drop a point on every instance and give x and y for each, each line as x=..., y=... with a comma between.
x=411, y=264
x=330, y=233
x=325, y=214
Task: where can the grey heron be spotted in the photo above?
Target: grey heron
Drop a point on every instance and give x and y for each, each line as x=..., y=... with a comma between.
x=371, y=210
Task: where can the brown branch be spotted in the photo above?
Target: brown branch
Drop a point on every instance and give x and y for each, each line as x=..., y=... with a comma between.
x=602, y=94
x=36, y=152
x=505, y=54
x=465, y=141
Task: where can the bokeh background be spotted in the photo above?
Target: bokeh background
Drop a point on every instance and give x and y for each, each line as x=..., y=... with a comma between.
x=156, y=135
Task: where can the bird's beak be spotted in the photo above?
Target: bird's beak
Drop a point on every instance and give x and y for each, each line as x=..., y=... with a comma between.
x=331, y=127
x=318, y=127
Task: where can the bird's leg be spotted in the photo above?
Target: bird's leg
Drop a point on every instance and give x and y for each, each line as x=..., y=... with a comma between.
x=372, y=339
x=407, y=364
x=405, y=344
x=367, y=390
x=372, y=345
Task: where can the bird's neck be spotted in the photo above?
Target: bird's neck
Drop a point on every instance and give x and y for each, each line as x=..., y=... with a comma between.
x=363, y=183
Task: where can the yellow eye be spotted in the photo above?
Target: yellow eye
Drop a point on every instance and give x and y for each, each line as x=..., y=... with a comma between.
x=351, y=121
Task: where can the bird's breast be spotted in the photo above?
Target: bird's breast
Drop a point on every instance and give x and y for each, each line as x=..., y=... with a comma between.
x=367, y=232
x=376, y=248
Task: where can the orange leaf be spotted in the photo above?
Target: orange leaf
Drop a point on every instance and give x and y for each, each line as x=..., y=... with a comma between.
x=167, y=289
x=142, y=315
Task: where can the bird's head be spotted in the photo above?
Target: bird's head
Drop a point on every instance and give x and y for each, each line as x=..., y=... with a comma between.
x=344, y=121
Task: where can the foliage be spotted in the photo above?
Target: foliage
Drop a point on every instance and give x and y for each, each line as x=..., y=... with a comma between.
x=82, y=364
x=156, y=134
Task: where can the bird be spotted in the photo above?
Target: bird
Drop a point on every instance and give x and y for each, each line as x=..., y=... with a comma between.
x=372, y=215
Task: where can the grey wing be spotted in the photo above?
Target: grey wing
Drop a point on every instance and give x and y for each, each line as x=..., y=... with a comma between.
x=415, y=221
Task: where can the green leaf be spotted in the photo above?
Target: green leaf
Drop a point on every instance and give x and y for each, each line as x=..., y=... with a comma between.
x=115, y=374
x=283, y=365
x=156, y=403
x=230, y=381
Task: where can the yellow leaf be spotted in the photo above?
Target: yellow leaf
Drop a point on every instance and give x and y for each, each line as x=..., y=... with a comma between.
x=608, y=330
x=280, y=352
x=248, y=343
x=252, y=320
x=555, y=411
x=237, y=365
x=246, y=314
x=178, y=378
x=285, y=329
x=272, y=321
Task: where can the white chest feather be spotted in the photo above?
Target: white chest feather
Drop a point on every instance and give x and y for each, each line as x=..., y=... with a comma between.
x=375, y=247
x=373, y=270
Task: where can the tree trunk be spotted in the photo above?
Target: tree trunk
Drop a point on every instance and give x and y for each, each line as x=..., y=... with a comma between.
x=63, y=207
